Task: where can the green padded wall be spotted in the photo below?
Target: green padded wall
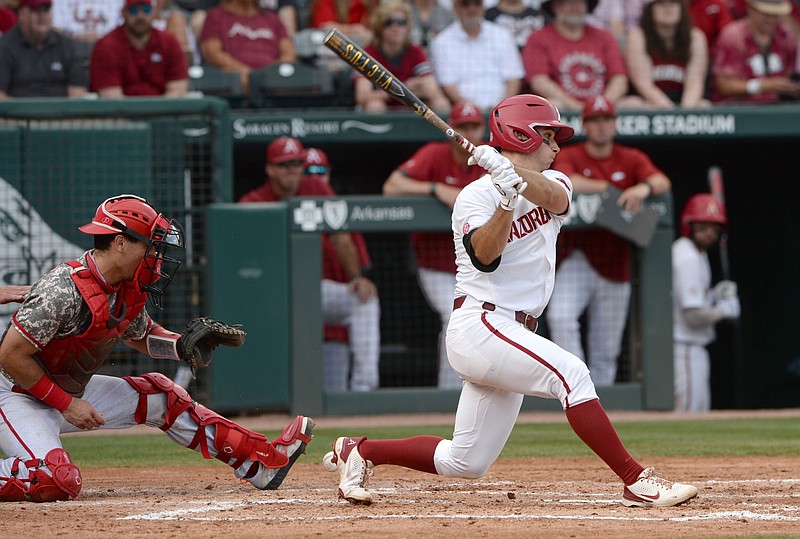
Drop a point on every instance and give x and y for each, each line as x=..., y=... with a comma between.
x=248, y=273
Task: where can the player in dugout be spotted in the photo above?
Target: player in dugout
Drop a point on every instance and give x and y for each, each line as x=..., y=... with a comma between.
x=66, y=328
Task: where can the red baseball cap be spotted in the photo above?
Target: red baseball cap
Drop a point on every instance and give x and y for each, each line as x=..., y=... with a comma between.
x=465, y=113
x=598, y=106
x=33, y=4
x=131, y=3
x=317, y=158
x=285, y=149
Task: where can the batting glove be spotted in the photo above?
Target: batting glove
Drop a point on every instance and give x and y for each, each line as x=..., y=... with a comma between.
x=724, y=290
x=730, y=307
x=488, y=159
x=509, y=185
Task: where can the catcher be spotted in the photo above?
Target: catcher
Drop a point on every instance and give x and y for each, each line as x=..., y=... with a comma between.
x=64, y=331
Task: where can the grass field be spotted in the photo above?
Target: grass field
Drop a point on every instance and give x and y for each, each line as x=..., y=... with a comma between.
x=759, y=437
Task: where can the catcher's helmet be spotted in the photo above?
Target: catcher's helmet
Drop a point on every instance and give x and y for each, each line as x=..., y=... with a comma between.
x=702, y=208
x=133, y=216
x=520, y=115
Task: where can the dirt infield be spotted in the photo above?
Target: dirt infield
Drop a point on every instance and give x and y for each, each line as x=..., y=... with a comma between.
x=519, y=497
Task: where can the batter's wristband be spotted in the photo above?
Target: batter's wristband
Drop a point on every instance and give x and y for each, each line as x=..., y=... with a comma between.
x=49, y=393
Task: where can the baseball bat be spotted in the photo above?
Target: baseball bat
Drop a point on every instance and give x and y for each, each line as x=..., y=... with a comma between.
x=365, y=64
x=717, y=187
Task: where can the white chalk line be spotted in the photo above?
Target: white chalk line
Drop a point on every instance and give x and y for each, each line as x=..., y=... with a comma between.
x=757, y=511
x=185, y=515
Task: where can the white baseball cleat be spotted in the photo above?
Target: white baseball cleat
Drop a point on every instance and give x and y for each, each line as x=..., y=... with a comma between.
x=651, y=490
x=292, y=442
x=354, y=470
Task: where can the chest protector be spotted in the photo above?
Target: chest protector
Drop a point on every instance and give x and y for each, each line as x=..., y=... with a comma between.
x=72, y=361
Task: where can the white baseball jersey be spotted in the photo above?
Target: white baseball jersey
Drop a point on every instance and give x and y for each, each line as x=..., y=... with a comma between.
x=524, y=279
x=691, y=288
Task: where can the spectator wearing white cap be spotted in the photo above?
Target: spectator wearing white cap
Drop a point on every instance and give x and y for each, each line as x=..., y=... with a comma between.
x=755, y=56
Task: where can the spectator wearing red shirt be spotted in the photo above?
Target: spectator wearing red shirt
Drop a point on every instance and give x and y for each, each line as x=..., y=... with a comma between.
x=7, y=19
x=710, y=16
x=136, y=59
x=350, y=300
x=352, y=17
x=392, y=48
x=593, y=271
x=239, y=36
x=440, y=170
x=568, y=61
x=755, y=56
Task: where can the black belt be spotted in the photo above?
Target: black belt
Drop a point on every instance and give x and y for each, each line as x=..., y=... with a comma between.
x=529, y=322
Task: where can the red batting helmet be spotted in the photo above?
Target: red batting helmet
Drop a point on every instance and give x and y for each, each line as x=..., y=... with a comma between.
x=135, y=217
x=702, y=208
x=520, y=115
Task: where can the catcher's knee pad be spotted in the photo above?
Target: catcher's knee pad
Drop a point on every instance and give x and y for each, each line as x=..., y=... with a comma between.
x=178, y=399
x=62, y=483
x=232, y=442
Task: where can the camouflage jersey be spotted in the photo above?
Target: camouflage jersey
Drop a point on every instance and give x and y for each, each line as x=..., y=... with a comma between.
x=55, y=309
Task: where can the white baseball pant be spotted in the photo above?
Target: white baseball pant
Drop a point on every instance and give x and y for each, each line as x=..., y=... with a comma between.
x=692, y=378
x=500, y=361
x=341, y=306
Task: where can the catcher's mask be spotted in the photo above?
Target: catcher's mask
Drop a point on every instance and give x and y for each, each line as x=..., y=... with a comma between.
x=135, y=217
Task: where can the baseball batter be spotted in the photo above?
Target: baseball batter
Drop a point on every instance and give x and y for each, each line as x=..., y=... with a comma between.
x=696, y=306
x=67, y=327
x=440, y=169
x=594, y=264
x=505, y=227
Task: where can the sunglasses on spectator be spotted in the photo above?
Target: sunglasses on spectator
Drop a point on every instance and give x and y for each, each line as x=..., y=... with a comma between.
x=292, y=163
x=317, y=169
x=468, y=3
x=392, y=21
x=144, y=8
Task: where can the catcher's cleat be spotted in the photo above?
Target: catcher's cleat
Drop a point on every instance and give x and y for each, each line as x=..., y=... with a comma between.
x=650, y=490
x=354, y=470
x=292, y=443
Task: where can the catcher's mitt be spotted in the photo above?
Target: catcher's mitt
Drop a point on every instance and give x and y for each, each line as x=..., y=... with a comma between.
x=197, y=343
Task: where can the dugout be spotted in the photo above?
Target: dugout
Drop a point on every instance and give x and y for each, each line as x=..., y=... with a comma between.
x=754, y=365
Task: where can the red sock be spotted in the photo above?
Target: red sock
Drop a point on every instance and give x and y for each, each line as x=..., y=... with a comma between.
x=591, y=424
x=415, y=452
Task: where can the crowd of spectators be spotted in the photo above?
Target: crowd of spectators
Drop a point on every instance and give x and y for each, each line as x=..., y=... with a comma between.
x=635, y=53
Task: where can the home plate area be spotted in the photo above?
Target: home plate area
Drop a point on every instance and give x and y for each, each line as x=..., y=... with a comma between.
x=576, y=497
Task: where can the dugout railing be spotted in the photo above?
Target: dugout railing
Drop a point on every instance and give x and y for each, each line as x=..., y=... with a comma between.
x=265, y=269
